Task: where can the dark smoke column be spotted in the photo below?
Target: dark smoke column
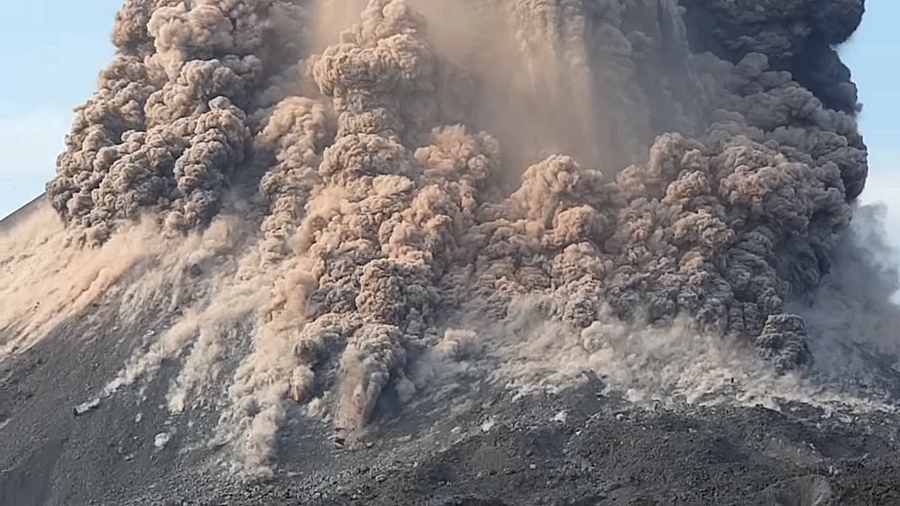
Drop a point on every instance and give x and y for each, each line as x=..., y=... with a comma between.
x=798, y=36
x=727, y=219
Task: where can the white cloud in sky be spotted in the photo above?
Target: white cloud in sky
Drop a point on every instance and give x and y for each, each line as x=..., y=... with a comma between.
x=883, y=186
x=29, y=145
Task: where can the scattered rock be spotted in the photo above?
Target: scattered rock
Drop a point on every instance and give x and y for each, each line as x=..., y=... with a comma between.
x=85, y=407
x=161, y=440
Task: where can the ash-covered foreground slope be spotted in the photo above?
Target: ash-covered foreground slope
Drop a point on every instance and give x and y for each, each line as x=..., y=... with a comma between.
x=478, y=444
x=334, y=248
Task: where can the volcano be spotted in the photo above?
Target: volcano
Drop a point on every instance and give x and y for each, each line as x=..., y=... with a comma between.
x=464, y=252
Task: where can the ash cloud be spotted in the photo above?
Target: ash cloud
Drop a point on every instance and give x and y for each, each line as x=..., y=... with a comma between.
x=629, y=164
x=171, y=121
x=798, y=36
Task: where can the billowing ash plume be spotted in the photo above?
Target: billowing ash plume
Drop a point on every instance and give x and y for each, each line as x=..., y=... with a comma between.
x=798, y=36
x=171, y=120
x=696, y=159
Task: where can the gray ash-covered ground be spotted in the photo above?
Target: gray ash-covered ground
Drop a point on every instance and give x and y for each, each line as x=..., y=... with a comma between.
x=487, y=445
x=602, y=451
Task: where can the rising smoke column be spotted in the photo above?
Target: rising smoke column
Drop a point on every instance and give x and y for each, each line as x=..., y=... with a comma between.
x=725, y=226
x=367, y=225
x=381, y=254
x=170, y=122
x=696, y=159
x=799, y=36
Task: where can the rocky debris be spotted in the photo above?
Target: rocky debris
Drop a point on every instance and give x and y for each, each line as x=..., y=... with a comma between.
x=85, y=407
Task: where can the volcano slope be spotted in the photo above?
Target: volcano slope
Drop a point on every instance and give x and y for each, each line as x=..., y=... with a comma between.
x=477, y=443
x=464, y=252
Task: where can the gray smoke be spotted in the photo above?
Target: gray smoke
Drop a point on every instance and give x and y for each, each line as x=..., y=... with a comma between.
x=172, y=119
x=692, y=158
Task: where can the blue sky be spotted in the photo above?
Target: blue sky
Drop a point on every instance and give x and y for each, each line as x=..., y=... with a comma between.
x=53, y=51
x=56, y=48
x=871, y=56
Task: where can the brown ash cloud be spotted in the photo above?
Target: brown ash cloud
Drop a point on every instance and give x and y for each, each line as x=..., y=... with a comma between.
x=639, y=160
